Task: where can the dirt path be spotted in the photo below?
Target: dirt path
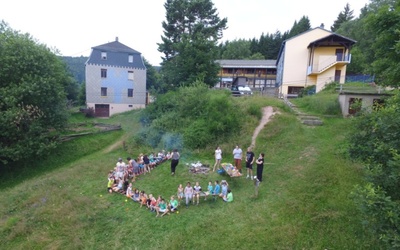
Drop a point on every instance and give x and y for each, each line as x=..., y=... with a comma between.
x=268, y=112
x=118, y=143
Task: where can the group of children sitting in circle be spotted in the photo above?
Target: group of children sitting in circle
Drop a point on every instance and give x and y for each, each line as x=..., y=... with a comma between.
x=118, y=182
x=142, y=165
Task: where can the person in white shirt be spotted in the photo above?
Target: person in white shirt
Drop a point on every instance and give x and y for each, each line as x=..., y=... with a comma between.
x=120, y=168
x=218, y=158
x=237, y=156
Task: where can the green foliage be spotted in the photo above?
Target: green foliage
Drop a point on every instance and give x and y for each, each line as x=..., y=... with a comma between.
x=196, y=113
x=322, y=103
x=303, y=202
x=344, y=16
x=299, y=27
x=375, y=141
x=76, y=65
x=309, y=90
x=386, y=25
x=236, y=49
x=189, y=43
x=33, y=84
x=153, y=83
x=82, y=94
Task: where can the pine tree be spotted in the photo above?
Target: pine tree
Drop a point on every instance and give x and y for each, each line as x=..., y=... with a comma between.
x=344, y=16
x=191, y=31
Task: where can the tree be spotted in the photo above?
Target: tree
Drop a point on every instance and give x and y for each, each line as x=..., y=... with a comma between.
x=344, y=16
x=189, y=44
x=237, y=49
x=299, y=27
x=32, y=96
x=386, y=46
x=152, y=78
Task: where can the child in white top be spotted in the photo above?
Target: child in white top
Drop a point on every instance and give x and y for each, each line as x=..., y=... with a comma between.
x=188, y=193
x=196, y=192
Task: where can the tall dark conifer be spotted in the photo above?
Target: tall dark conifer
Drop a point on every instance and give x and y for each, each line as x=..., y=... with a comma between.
x=191, y=31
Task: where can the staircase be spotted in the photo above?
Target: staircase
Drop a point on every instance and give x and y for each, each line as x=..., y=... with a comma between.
x=305, y=119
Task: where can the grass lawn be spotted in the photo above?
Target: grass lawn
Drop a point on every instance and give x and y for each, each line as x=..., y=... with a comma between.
x=303, y=202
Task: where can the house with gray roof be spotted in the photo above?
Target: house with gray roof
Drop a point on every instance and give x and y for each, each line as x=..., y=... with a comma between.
x=115, y=79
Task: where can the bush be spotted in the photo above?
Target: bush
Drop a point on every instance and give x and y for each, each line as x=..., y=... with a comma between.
x=195, y=115
x=375, y=140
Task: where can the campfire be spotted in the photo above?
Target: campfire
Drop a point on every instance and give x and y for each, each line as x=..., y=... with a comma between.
x=199, y=168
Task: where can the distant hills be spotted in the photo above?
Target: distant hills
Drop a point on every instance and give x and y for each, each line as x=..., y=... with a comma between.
x=76, y=66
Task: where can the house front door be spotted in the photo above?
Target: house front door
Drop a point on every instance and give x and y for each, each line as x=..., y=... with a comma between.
x=337, y=75
x=339, y=55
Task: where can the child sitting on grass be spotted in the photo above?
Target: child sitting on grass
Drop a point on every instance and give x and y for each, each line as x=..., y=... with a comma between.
x=217, y=190
x=110, y=184
x=210, y=190
x=196, y=192
x=129, y=192
x=143, y=199
x=188, y=193
x=119, y=187
x=224, y=189
x=229, y=196
x=173, y=204
x=163, y=208
x=180, y=193
x=153, y=205
x=136, y=195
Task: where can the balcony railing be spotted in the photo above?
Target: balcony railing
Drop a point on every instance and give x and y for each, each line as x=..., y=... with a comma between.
x=325, y=62
x=257, y=76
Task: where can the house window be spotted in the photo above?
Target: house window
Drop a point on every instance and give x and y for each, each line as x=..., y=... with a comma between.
x=130, y=92
x=103, y=73
x=377, y=104
x=130, y=75
x=103, y=91
x=104, y=55
x=130, y=58
x=355, y=105
x=295, y=90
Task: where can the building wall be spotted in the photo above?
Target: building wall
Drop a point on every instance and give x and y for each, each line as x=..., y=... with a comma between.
x=297, y=56
x=367, y=101
x=117, y=84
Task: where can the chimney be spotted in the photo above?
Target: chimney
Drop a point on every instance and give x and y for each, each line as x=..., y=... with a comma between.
x=322, y=26
x=116, y=39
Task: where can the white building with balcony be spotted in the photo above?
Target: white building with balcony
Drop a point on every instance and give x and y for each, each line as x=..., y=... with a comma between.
x=313, y=58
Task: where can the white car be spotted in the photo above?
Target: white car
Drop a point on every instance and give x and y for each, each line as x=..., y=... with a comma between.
x=241, y=90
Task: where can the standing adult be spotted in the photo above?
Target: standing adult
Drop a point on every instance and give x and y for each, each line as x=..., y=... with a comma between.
x=218, y=158
x=237, y=157
x=249, y=163
x=174, y=160
x=260, y=166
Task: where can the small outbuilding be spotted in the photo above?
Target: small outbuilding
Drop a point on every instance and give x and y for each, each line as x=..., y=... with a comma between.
x=352, y=102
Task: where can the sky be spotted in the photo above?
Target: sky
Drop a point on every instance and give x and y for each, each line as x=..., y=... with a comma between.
x=73, y=27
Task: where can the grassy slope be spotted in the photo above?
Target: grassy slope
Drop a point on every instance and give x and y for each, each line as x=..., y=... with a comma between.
x=303, y=202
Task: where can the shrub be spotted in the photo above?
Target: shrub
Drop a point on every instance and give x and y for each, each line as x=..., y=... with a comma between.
x=195, y=113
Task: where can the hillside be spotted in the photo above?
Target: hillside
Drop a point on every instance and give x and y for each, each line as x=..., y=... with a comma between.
x=303, y=202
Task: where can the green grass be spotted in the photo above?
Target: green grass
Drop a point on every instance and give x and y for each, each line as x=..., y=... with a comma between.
x=303, y=202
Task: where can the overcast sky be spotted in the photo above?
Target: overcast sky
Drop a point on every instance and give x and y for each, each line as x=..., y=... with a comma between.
x=75, y=26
